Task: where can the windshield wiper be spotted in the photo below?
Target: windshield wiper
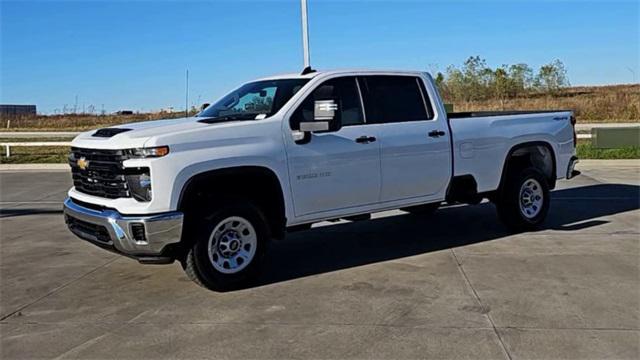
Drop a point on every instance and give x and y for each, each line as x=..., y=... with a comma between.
x=209, y=120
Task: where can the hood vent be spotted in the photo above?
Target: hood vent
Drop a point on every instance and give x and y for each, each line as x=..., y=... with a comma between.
x=109, y=132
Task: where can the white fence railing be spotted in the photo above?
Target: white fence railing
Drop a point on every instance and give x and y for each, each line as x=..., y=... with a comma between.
x=7, y=146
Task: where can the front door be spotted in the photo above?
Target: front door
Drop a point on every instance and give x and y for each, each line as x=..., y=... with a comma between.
x=334, y=170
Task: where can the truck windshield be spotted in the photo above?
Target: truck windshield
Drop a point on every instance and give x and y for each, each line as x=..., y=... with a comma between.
x=255, y=100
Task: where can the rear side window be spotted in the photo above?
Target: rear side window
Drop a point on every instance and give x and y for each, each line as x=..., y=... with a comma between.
x=344, y=90
x=390, y=99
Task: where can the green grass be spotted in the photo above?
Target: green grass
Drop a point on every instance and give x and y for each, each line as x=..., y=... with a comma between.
x=36, y=155
x=34, y=139
x=586, y=151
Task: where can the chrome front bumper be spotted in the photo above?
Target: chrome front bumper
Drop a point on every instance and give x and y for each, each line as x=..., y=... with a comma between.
x=135, y=236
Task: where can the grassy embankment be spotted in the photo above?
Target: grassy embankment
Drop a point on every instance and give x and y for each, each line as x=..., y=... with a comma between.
x=619, y=103
x=78, y=122
x=615, y=103
x=593, y=104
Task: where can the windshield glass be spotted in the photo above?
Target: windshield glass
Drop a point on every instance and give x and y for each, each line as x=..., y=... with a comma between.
x=255, y=100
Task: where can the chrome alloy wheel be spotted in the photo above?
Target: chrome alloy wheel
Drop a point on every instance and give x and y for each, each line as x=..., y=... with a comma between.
x=531, y=198
x=232, y=245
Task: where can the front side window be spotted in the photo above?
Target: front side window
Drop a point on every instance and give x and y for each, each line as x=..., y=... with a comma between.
x=390, y=99
x=344, y=91
x=256, y=100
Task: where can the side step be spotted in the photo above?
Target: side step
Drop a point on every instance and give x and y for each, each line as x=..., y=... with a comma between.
x=155, y=260
x=360, y=217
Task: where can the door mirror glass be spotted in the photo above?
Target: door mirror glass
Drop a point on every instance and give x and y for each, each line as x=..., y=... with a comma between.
x=324, y=110
x=326, y=117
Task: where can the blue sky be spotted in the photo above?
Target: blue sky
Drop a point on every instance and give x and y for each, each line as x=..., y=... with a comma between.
x=133, y=54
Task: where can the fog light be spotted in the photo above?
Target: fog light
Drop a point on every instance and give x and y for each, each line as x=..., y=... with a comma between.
x=138, y=233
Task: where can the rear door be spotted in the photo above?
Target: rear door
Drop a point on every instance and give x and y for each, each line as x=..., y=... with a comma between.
x=415, y=146
x=334, y=171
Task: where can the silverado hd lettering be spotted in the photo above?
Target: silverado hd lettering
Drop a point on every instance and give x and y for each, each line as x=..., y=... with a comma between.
x=284, y=152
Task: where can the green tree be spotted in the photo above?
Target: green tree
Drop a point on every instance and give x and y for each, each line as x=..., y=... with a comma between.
x=501, y=84
x=476, y=81
x=520, y=79
x=551, y=78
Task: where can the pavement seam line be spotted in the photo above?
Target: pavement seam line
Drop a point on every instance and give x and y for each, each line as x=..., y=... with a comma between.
x=249, y=323
x=84, y=345
x=477, y=297
x=57, y=289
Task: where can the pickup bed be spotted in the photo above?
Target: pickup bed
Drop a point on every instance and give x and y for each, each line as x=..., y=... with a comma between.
x=281, y=153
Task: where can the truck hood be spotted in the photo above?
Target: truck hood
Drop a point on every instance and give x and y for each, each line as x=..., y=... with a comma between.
x=135, y=135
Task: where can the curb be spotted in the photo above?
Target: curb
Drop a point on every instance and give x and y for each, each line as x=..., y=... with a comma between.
x=610, y=162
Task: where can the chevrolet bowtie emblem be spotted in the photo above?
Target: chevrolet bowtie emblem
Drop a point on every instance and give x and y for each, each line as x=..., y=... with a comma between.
x=83, y=163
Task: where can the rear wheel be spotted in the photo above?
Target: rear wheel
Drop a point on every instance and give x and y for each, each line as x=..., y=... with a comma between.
x=426, y=209
x=229, y=246
x=524, y=202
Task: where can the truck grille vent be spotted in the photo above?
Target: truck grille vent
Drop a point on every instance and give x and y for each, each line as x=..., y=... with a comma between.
x=99, y=172
x=87, y=230
x=109, y=132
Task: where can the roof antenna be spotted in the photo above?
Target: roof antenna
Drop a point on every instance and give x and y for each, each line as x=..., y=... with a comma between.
x=305, y=39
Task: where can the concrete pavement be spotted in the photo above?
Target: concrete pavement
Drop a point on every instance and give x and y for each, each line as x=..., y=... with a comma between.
x=453, y=285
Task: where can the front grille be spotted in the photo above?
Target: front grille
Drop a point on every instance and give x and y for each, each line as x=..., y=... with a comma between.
x=99, y=172
x=88, y=230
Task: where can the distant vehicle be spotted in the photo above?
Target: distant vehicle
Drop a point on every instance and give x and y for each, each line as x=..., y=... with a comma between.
x=213, y=190
x=124, y=112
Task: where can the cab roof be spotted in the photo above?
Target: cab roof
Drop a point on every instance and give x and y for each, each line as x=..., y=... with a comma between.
x=341, y=71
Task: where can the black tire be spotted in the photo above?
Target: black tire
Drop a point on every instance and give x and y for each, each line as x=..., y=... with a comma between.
x=197, y=263
x=528, y=217
x=426, y=209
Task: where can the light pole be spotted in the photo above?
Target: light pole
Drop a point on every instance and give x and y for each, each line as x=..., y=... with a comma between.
x=305, y=35
x=186, y=96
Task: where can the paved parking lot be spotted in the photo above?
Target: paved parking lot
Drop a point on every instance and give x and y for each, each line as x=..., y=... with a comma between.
x=453, y=285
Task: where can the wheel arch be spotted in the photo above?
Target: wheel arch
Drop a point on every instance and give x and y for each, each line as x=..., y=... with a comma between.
x=258, y=184
x=538, y=154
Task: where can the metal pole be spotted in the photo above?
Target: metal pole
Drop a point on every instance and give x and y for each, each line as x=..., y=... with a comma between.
x=186, y=101
x=305, y=33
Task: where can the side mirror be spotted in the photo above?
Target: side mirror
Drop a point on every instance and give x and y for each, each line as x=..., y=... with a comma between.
x=204, y=106
x=325, y=117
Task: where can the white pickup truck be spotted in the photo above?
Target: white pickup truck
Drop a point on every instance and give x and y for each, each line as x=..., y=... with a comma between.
x=281, y=153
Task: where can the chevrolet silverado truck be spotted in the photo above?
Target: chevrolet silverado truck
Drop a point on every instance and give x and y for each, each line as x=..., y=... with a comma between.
x=281, y=153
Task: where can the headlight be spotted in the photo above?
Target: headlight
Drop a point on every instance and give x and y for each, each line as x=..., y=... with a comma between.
x=139, y=184
x=147, y=152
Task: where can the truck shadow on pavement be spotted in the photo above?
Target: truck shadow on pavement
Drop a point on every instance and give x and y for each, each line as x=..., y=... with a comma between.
x=5, y=213
x=341, y=246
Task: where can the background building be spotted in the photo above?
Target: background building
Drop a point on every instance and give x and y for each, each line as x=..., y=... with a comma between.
x=17, y=110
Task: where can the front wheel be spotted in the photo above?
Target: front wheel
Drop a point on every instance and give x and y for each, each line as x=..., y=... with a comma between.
x=524, y=202
x=229, y=246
